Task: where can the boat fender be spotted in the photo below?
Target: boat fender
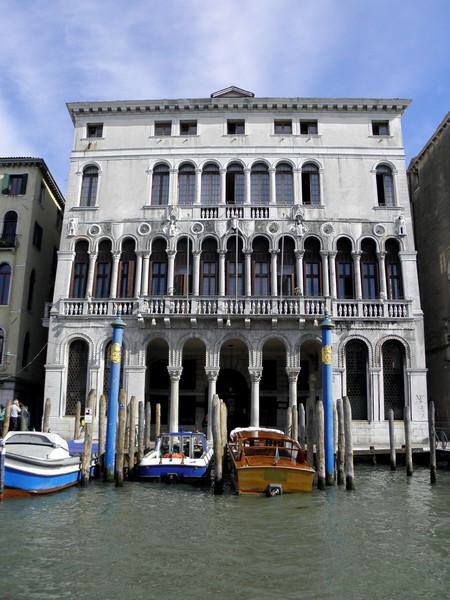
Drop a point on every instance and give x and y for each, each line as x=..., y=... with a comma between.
x=274, y=489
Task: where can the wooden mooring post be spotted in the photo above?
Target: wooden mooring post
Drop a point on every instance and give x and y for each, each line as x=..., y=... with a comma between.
x=7, y=418
x=349, y=471
x=294, y=422
x=120, y=450
x=76, y=429
x=340, y=454
x=46, y=415
x=408, y=449
x=320, y=445
x=301, y=424
x=2, y=468
x=218, y=446
x=158, y=420
x=87, y=445
x=432, y=436
x=132, y=438
x=101, y=430
x=148, y=425
x=392, y=454
x=141, y=431
x=310, y=420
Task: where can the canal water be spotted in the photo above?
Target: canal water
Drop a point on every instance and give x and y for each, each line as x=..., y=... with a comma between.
x=389, y=539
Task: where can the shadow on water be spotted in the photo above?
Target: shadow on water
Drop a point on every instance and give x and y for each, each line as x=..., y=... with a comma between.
x=387, y=539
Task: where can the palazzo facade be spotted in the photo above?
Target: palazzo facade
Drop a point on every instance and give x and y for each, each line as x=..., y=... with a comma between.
x=222, y=228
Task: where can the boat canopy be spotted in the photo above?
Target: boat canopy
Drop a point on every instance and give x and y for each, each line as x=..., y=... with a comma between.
x=36, y=438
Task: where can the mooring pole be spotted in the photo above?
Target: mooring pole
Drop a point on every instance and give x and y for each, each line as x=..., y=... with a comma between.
x=326, y=326
x=113, y=397
x=2, y=468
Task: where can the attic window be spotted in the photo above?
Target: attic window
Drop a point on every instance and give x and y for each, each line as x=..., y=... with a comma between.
x=380, y=127
x=283, y=127
x=236, y=127
x=188, y=127
x=308, y=127
x=94, y=130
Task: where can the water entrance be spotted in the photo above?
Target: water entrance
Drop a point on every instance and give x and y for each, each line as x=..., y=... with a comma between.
x=232, y=388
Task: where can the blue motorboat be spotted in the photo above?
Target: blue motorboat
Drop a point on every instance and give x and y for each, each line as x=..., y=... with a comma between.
x=178, y=456
x=39, y=463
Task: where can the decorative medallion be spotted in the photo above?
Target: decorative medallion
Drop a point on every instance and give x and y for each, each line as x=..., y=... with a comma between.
x=94, y=230
x=326, y=354
x=327, y=229
x=144, y=228
x=379, y=229
x=115, y=353
x=197, y=228
x=273, y=227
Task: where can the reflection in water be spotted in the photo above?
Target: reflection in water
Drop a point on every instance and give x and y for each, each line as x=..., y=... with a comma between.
x=388, y=539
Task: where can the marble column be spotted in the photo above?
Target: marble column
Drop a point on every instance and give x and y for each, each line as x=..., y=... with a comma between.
x=248, y=186
x=299, y=270
x=332, y=266
x=90, y=276
x=292, y=373
x=114, y=274
x=357, y=270
x=170, y=271
x=222, y=255
x=223, y=186
x=198, y=186
x=382, y=270
x=297, y=186
x=173, y=188
x=175, y=375
x=248, y=273
x=274, y=273
x=145, y=273
x=212, y=375
x=273, y=187
x=196, y=265
x=138, y=278
x=325, y=277
x=255, y=377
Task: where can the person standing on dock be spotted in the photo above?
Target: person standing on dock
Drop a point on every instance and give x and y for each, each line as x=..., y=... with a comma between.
x=14, y=416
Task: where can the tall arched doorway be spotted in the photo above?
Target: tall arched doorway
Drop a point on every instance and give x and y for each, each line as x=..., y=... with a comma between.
x=232, y=383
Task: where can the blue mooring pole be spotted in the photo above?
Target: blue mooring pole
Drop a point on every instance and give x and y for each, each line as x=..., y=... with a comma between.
x=327, y=371
x=113, y=397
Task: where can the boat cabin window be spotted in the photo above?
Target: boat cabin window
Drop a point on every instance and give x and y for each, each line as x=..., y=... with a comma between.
x=189, y=445
x=38, y=440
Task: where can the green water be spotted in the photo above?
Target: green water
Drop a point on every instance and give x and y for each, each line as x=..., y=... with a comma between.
x=388, y=539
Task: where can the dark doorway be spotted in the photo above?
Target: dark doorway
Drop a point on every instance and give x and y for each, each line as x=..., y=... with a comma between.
x=232, y=388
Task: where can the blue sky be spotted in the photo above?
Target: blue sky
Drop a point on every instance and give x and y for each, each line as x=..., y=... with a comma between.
x=55, y=51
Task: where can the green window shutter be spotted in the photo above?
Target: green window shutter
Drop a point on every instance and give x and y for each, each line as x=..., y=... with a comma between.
x=5, y=184
x=24, y=183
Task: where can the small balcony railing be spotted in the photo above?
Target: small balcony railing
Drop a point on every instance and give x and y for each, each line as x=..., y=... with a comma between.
x=214, y=306
x=8, y=242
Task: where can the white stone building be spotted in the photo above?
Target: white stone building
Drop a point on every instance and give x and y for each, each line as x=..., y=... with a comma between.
x=223, y=227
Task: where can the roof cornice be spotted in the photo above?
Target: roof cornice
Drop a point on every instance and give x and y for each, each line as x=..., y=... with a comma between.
x=431, y=142
x=396, y=105
x=29, y=161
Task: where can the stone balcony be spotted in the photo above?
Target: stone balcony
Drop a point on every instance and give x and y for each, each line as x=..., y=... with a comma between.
x=246, y=307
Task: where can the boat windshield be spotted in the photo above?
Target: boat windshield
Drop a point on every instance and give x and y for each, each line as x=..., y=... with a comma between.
x=187, y=445
x=276, y=448
x=23, y=438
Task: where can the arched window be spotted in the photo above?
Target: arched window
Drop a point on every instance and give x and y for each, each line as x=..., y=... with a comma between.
x=158, y=266
x=235, y=184
x=393, y=378
x=385, y=185
x=356, y=375
x=31, y=289
x=5, y=282
x=107, y=368
x=80, y=270
x=209, y=268
x=312, y=268
x=369, y=270
x=89, y=186
x=210, y=184
x=235, y=267
x=286, y=266
x=186, y=184
x=103, y=270
x=9, y=229
x=284, y=184
x=127, y=269
x=26, y=349
x=393, y=271
x=2, y=344
x=260, y=184
x=183, y=266
x=160, y=185
x=344, y=269
x=310, y=184
x=76, y=376
x=261, y=267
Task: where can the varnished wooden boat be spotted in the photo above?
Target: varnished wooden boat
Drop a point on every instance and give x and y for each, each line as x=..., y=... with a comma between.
x=268, y=461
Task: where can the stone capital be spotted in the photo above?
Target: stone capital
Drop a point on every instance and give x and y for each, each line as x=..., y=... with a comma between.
x=299, y=253
x=292, y=373
x=212, y=374
x=255, y=374
x=357, y=255
x=175, y=373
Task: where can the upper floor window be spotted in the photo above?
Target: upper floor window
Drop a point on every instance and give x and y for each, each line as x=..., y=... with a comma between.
x=103, y=270
x=209, y=268
x=385, y=186
x=344, y=269
x=160, y=185
x=163, y=128
x=9, y=229
x=80, y=270
x=159, y=268
x=14, y=185
x=5, y=282
x=308, y=127
x=236, y=127
x=284, y=184
x=94, y=130
x=284, y=127
x=393, y=271
x=89, y=186
x=127, y=269
x=260, y=184
x=312, y=268
x=188, y=127
x=211, y=184
x=38, y=233
x=235, y=184
x=369, y=269
x=380, y=127
x=186, y=184
x=310, y=184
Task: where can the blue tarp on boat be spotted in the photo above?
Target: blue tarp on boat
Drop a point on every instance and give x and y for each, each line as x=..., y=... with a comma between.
x=76, y=447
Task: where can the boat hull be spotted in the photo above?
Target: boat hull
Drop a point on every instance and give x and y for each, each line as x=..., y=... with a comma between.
x=257, y=479
x=34, y=478
x=173, y=471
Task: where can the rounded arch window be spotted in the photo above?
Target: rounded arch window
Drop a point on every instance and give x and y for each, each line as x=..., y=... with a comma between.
x=393, y=270
x=158, y=266
x=312, y=264
x=127, y=268
x=89, y=186
x=356, y=356
x=310, y=184
x=393, y=354
x=5, y=282
x=80, y=270
x=77, y=376
x=235, y=184
x=9, y=229
x=344, y=269
x=369, y=269
x=103, y=270
x=284, y=184
x=260, y=183
x=160, y=185
x=186, y=184
x=385, y=186
x=211, y=184
x=209, y=267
